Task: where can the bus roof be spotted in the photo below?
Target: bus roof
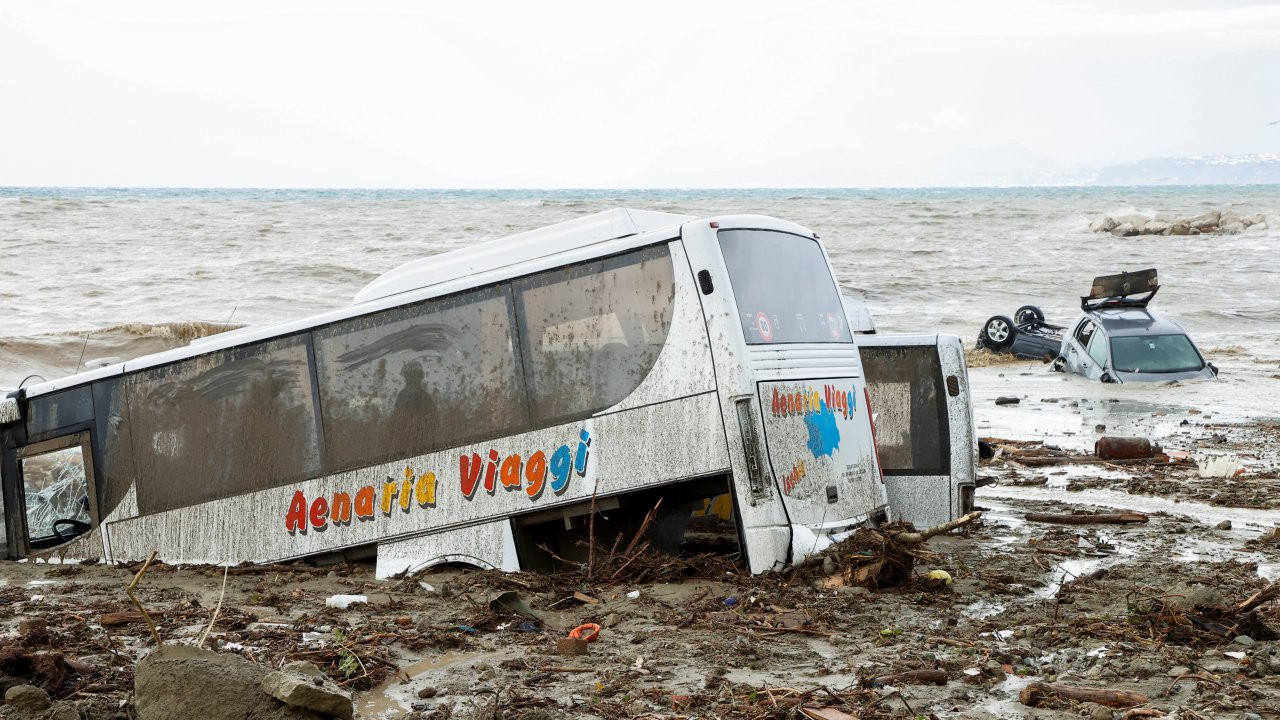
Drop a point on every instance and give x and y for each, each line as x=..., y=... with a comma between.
x=485, y=257
x=516, y=249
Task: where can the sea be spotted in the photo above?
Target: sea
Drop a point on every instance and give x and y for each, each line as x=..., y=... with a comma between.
x=118, y=272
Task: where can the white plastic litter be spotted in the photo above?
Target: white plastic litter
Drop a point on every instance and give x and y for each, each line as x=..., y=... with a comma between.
x=1236, y=655
x=342, y=602
x=1218, y=466
x=633, y=594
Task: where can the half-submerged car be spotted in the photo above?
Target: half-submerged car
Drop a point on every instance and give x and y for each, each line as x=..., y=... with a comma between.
x=1117, y=338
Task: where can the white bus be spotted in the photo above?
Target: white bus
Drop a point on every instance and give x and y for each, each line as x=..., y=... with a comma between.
x=472, y=407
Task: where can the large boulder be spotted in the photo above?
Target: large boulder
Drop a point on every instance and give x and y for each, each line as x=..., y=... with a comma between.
x=1124, y=230
x=179, y=681
x=1205, y=221
x=1103, y=224
x=1156, y=227
x=1234, y=227
x=1179, y=229
x=1254, y=219
x=1137, y=221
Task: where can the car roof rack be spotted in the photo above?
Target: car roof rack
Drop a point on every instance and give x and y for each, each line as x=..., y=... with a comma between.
x=1119, y=290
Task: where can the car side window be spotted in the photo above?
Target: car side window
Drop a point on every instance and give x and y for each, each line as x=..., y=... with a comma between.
x=1098, y=347
x=1085, y=332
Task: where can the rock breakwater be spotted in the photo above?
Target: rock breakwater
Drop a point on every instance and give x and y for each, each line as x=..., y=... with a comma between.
x=1215, y=222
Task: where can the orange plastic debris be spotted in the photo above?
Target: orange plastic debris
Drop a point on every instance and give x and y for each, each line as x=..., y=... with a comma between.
x=580, y=632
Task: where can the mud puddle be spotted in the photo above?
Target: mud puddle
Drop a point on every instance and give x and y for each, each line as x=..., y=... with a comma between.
x=399, y=693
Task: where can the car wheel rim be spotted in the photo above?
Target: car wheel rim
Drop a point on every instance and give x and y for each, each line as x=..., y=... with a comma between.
x=997, y=331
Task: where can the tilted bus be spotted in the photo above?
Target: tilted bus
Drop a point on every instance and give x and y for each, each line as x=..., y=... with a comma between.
x=473, y=407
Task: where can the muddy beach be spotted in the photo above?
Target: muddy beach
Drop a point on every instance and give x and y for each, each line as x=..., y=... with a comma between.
x=1143, y=611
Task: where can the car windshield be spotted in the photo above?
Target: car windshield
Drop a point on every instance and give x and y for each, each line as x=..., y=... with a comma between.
x=1154, y=354
x=784, y=290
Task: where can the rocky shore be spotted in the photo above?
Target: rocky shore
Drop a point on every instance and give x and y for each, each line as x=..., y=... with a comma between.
x=1215, y=222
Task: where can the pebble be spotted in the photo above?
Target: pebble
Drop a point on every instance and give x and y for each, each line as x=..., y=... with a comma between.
x=1100, y=713
x=1224, y=525
x=1243, y=640
x=1178, y=671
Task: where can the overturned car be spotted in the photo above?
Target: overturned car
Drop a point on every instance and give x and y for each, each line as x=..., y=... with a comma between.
x=1116, y=338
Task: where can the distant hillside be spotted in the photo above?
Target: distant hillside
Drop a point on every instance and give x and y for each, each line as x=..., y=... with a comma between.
x=1207, y=170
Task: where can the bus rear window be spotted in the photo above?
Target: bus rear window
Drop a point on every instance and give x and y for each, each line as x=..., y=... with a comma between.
x=784, y=290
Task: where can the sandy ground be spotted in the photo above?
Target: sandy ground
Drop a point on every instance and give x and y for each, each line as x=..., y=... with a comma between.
x=1138, y=607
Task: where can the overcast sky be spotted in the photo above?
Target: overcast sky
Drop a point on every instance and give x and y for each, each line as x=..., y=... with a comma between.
x=609, y=94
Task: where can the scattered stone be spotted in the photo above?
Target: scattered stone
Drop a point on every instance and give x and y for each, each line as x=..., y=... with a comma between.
x=1100, y=713
x=1008, y=400
x=427, y=692
x=1191, y=596
x=33, y=625
x=27, y=698
x=1178, y=671
x=303, y=685
x=1243, y=640
x=1224, y=525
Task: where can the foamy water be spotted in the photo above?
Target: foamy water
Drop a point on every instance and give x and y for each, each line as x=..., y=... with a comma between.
x=131, y=270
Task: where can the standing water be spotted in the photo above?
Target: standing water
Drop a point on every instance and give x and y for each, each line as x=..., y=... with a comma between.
x=132, y=271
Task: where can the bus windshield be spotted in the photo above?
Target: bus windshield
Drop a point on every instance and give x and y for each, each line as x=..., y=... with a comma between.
x=784, y=290
x=1154, y=354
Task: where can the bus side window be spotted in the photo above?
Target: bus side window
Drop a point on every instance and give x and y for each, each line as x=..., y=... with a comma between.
x=409, y=380
x=223, y=424
x=591, y=332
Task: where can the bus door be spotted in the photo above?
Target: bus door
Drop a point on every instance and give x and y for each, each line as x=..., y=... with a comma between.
x=56, y=492
x=919, y=391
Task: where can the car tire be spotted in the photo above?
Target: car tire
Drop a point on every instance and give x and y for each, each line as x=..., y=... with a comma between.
x=1029, y=315
x=998, y=333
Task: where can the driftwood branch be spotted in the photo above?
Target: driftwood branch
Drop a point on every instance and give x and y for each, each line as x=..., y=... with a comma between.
x=914, y=677
x=1267, y=593
x=128, y=590
x=1037, y=692
x=915, y=538
x=1120, y=518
